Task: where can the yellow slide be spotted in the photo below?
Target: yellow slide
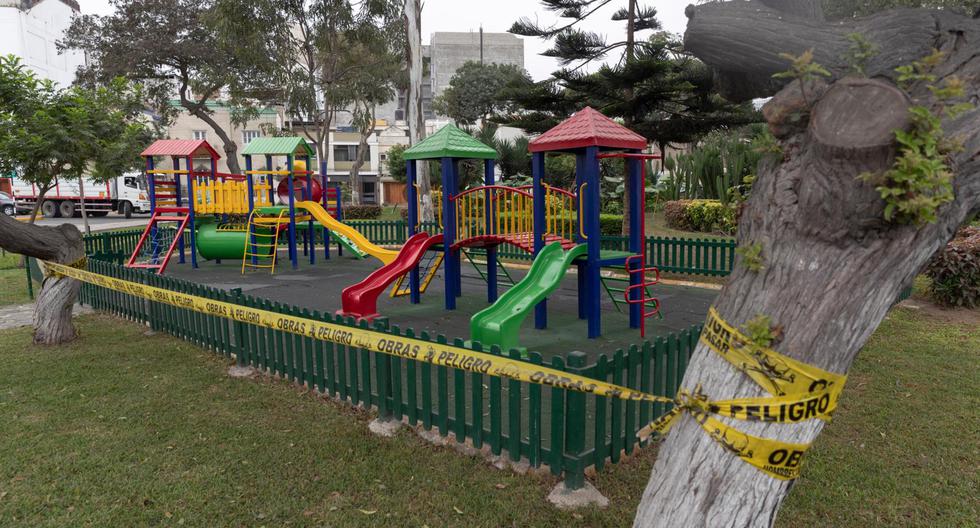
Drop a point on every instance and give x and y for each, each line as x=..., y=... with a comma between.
x=355, y=236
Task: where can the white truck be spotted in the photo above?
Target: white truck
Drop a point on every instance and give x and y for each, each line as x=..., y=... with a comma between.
x=125, y=194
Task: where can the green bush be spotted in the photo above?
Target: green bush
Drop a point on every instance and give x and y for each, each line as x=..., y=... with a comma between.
x=361, y=212
x=675, y=213
x=700, y=215
x=955, y=270
x=611, y=224
x=710, y=215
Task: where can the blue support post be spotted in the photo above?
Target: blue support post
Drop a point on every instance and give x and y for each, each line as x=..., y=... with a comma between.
x=192, y=224
x=537, y=172
x=250, y=182
x=449, y=232
x=310, y=230
x=326, y=206
x=268, y=177
x=151, y=182
x=635, y=189
x=579, y=226
x=593, y=304
x=340, y=216
x=456, y=259
x=491, y=228
x=415, y=295
x=293, y=254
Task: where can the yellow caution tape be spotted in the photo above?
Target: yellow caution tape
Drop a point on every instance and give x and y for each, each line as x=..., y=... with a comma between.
x=770, y=369
x=401, y=346
x=780, y=375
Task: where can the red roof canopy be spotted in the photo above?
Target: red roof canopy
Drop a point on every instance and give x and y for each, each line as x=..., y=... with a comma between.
x=195, y=148
x=587, y=128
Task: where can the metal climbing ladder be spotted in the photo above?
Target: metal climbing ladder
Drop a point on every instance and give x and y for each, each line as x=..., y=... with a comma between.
x=262, y=255
x=157, y=244
x=646, y=301
x=503, y=276
x=427, y=271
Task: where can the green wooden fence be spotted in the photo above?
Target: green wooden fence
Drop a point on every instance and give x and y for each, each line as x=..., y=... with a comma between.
x=566, y=431
x=693, y=256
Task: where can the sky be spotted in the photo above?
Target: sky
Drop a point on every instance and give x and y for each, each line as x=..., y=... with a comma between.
x=498, y=15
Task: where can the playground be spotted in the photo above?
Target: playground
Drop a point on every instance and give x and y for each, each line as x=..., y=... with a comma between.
x=278, y=233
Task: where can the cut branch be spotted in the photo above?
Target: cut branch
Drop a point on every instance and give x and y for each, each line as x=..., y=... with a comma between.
x=61, y=244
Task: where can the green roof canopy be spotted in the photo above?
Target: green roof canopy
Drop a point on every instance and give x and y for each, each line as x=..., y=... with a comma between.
x=450, y=142
x=278, y=146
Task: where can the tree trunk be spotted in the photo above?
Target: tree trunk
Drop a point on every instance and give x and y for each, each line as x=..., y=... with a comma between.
x=832, y=265
x=81, y=204
x=63, y=245
x=367, y=128
x=38, y=201
x=414, y=111
x=228, y=144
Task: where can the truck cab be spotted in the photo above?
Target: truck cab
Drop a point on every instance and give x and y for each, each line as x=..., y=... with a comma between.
x=130, y=194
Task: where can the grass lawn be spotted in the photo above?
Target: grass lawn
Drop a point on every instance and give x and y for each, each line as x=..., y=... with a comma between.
x=104, y=433
x=13, y=280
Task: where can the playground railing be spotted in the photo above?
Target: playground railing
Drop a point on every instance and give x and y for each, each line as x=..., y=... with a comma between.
x=567, y=431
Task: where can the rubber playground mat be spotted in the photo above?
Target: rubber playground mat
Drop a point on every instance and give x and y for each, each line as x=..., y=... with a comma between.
x=318, y=287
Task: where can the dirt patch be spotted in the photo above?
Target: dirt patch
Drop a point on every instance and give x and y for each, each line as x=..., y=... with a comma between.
x=953, y=316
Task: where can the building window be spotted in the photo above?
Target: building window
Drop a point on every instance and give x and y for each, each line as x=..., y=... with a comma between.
x=200, y=135
x=249, y=135
x=345, y=153
x=368, y=195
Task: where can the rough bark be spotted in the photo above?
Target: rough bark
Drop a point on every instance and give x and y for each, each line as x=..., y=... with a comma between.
x=833, y=266
x=62, y=244
x=414, y=114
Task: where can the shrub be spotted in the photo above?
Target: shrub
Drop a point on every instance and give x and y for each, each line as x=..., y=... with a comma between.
x=675, y=212
x=710, y=215
x=955, y=270
x=611, y=224
x=361, y=212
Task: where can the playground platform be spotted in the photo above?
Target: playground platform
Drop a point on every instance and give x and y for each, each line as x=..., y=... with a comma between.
x=319, y=287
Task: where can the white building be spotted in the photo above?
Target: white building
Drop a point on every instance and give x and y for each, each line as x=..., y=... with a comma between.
x=31, y=29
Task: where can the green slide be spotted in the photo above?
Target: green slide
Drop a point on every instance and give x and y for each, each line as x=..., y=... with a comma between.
x=500, y=323
x=349, y=244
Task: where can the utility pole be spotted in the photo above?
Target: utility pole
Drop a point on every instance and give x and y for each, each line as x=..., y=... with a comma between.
x=481, y=44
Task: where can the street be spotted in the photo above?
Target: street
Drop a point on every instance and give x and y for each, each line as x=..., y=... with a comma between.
x=113, y=221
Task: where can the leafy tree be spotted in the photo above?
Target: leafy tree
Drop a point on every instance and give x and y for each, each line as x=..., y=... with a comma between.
x=47, y=134
x=396, y=163
x=336, y=58
x=203, y=51
x=655, y=88
x=473, y=92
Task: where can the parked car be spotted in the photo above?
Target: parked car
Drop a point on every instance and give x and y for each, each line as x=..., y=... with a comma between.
x=7, y=204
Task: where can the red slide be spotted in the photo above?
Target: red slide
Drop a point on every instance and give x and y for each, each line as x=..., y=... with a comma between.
x=361, y=299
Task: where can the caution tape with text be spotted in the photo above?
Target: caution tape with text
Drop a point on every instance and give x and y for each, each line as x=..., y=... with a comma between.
x=801, y=392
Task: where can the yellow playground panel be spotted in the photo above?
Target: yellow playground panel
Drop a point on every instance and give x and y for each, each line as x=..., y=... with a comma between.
x=228, y=197
x=512, y=212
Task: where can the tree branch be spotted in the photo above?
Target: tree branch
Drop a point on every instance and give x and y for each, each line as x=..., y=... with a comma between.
x=61, y=244
x=743, y=40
